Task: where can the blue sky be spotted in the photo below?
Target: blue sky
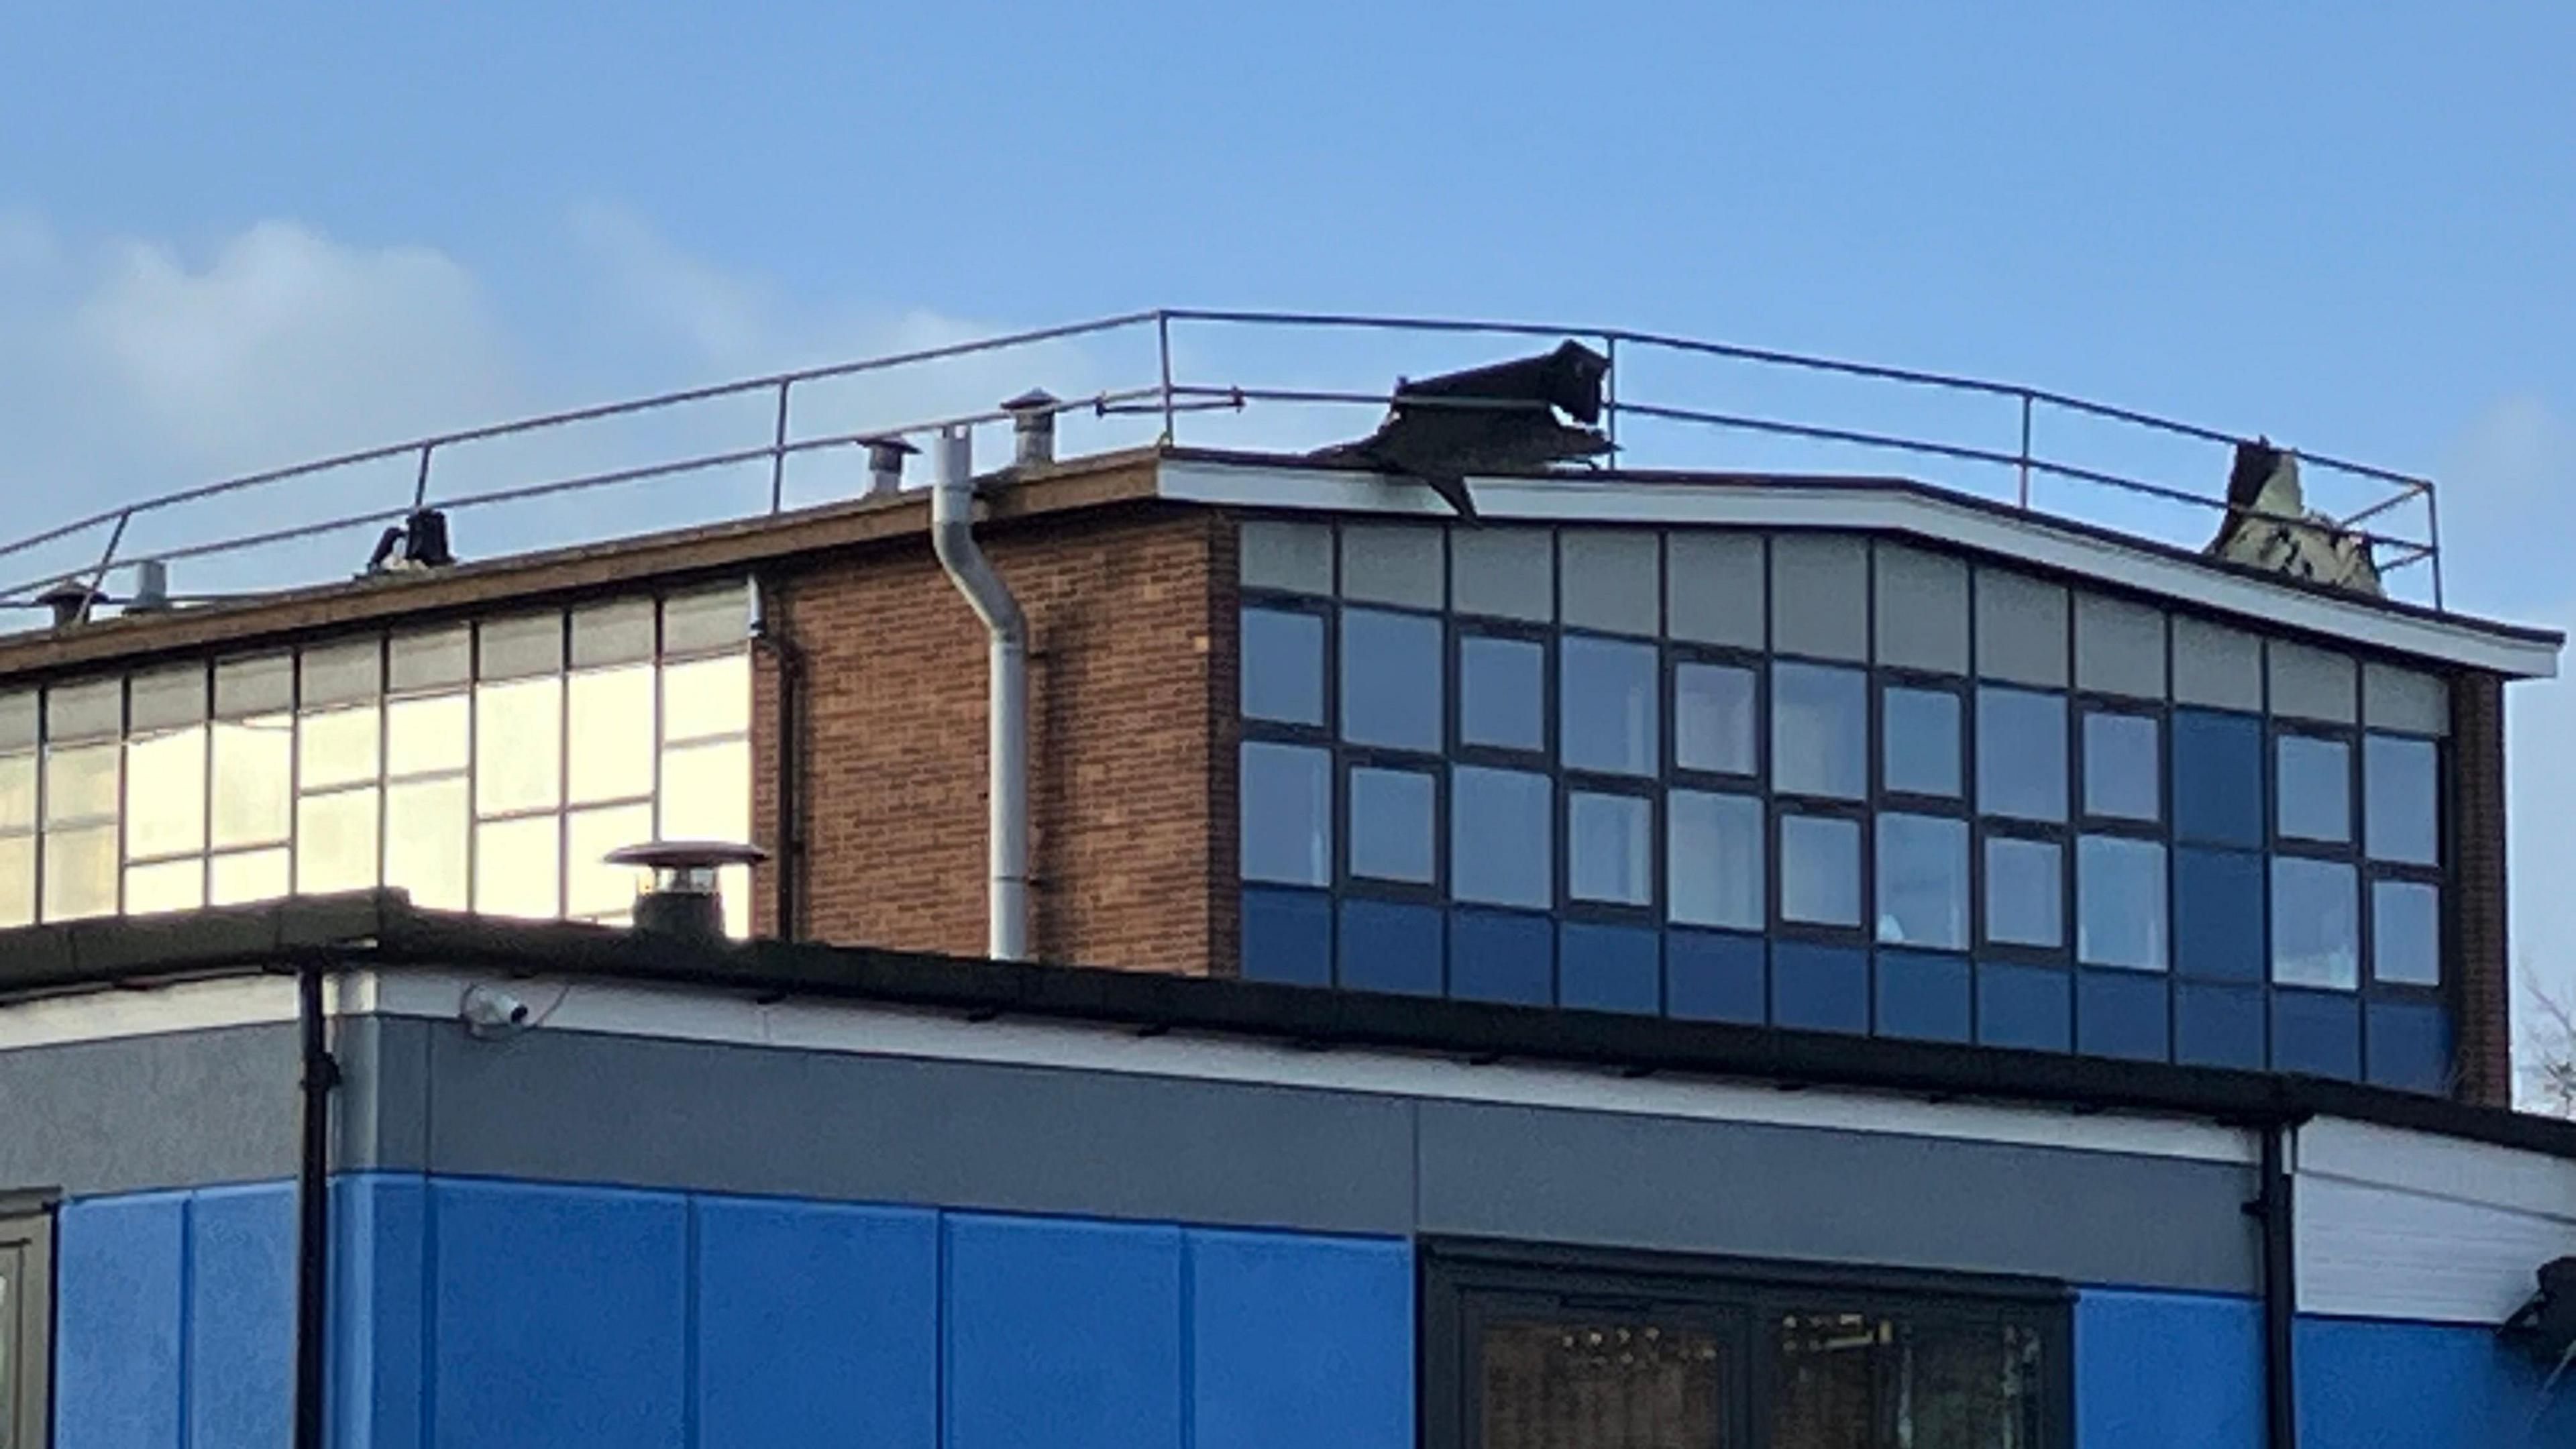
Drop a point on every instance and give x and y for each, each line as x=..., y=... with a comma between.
x=228, y=240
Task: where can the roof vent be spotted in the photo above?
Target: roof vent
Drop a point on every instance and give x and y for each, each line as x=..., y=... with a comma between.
x=1032, y=428
x=683, y=901
x=151, y=588
x=70, y=600
x=885, y=465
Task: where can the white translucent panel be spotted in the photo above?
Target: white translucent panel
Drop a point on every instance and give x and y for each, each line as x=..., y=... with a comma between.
x=433, y=660
x=1393, y=564
x=518, y=745
x=2406, y=933
x=80, y=783
x=614, y=633
x=167, y=697
x=1503, y=573
x=165, y=794
x=2021, y=629
x=1610, y=848
x=1393, y=832
x=17, y=880
x=706, y=792
x=80, y=872
x=610, y=726
x=714, y=619
x=1820, y=595
x=517, y=647
x=18, y=714
x=2314, y=684
x=423, y=736
x=2215, y=665
x=18, y=792
x=335, y=841
x=706, y=697
x=1713, y=867
x=348, y=673
x=1820, y=730
x=1612, y=580
x=425, y=841
x=2120, y=902
x=2119, y=647
x=85, y=710
x=338, y=746
x=2402, y=699
x=1284, y=805
x=250, y=875
x=733, y=888
x=592, y=887
x=1713, y=588
x=2316, y=923
x=1923, y=881
x=516, y=865
x=1922, y=609
x=2025, y=892
x=254, y=784
x=1289, y=556
x=172, y=885
x=1820, y=870
x=244, y=687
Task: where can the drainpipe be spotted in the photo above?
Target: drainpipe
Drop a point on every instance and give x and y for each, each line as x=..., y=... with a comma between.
x=2273, y=1210
x=952, y=537
x=313, y=1206
x=769, y=631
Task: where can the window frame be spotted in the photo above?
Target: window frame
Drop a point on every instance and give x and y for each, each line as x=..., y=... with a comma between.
x=27, y=1224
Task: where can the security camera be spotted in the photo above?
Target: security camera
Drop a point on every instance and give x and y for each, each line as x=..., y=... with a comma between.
x=489, y=1013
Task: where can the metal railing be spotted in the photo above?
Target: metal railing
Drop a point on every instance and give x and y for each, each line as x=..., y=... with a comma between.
x=1169, y=395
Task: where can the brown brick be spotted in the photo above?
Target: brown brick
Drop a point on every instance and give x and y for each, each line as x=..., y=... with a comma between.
x=2481, y=972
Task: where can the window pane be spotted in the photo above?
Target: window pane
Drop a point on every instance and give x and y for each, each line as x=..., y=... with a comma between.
x=1502, y=693
x=1501, y=844
x=427, y=661
x=337, y=747
x=1391, y=679
x=17, y=792
x=1598, y=1385
x=1713, y=718
x=2406, y=933
x=343, y=673
x=515, y=867
x=706, y=792
x=2217, y=777
x=1606, y=690
x=2400, y=795
x=2123, y=767
x=1391, y=825
x=1610, y=844
x=617, y=633
x=1920, y=731
x=2315, y=923
x=1283, y=666
x=172, y=885
x=165, y=698
x=593, y=887
x=80, y=872
x=335, y=842
x=1923, y=881
x=254, y=798
x=2120, y=902
x=610, y=725
x=1819, y=730
x=426, y=735
x=91, y=708
x=1287, y=805
x=718, y=618
x=2021, y=754
x=518, y=745
x=1713, y=859
x=250, y=875
x=706, y=697
x=80, y=783
x=1820, y=870
x=17, y=880
x=425, y=840
x=247, y=687
x=2315, y=782
x=165, y=796
x=2025, y=892
x=516, y=648
x=1861, y=1381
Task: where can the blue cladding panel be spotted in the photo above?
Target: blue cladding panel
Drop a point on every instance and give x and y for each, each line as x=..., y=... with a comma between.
x=1713, y=976
x=1387, y=946
x=1502, y=956
x=2316, y=1032
x=2120, y=1014
x=2368, y=1385
x=2218, y=1026
x=1288, y=936
x=1922, y=995
x=1299, y=1341
x=1823, y=988
x=119, y=1294
x=816, y=1324
x=2218, y=777
x=2218, y=915
x=1062, y=1334
x=1609, y=968
x=544, y=1290
x=2410, y=1045
x=2024, y=1006
x=377, y=1223
x=241, y=1315
x=2164, y=1370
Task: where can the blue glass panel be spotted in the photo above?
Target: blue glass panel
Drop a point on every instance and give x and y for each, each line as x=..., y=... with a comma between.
x=2313, y=779
x=1713, y=718
x=2021, y=754
x=2025, y=892
x=2218, y=914
x=1283, y=666
x=2024, y=1006
x=1609, y=968
x=2218, y=1026
x=1819, y=730
x=1921, y=994
x=1391, y=946
x=2316, y=923
x=1502, y=693
x=1391, y=825
x=1713, y=859
x=1820, y=870
x=2218, y=777
x=1923, y=881
x=2120, y=902
x=1502, y=837
x=1391, y=679
x=2406, y=933
x=1819, y=988
x=2410, y=1045
x=2400, y=788
x=2316, y=1032
x=1288, y=936
x=2124, y=771
x=1919, y=734
x=1285, y=796
x=2118, y=1014
x=1714, y=976
x=1608, y=716
x=1610, y=848
x=1502, y=956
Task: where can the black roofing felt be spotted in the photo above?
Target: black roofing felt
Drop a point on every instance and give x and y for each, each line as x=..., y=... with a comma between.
x=383, y=931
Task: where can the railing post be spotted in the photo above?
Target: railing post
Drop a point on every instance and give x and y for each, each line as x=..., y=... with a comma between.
x=420, y=485
x=1610, y=393
x=2433, y=536
x=1163, y=349
x=2025, y=448
x=778, y=450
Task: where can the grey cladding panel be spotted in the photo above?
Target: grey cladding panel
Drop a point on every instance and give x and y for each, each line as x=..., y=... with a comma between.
x=174, y=1110
x=1713, y=587
x=1820, y=596
x=2021, y=629
x=2216, y=666
x=1922, y=610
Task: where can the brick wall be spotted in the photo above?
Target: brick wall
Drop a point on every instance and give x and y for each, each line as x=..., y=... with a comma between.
x=2481, y=974
x=1124, y=612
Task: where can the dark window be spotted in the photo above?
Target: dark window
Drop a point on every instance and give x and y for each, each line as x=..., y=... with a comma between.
x=1287, y=804
x=1390, y=679
x=2315, y=780
x=1819, y=730
x=1391, y=828
x=1502, y=693
x=1713, y=718
x=1923, y=881
x=2021, y=754
x=1919, y=734
x=2399, y=794
x=2025, y=892
x=1869, y=1379
x=2316, y=930
x=1607, y=721
x=1283, y=666
x=2217, y=778
x=1820, y=870
x=1501, y=840
x=2123, y=767
x=2120, y=902
x=2405, y=933
x=1566, y=1381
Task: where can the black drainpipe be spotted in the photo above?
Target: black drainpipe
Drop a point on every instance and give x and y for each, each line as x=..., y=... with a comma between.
x=313, y=1207
x=769, y=631
x=2272, y=1208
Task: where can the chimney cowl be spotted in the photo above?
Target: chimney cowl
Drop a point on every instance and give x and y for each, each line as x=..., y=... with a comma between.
x=885, y=463
x=683, y=901
x=1033, y=427
x=70, y=601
